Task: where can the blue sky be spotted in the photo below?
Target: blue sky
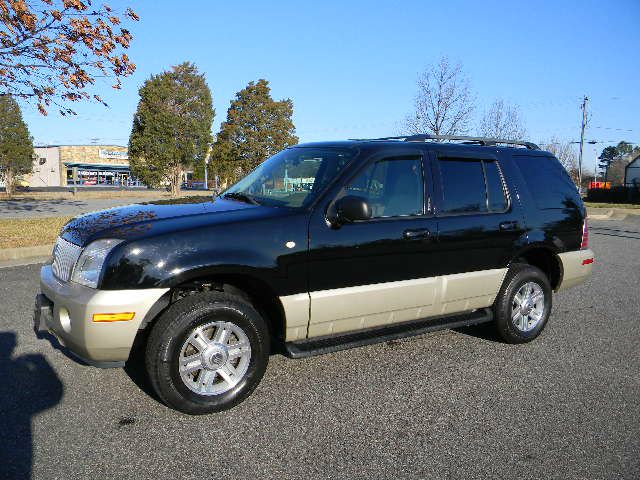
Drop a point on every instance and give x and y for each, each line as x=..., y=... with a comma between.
x=350, y=67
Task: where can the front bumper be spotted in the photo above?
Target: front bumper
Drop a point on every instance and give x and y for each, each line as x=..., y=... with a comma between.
x=66, y=309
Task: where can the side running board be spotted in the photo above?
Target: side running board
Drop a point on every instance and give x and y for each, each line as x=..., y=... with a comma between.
x=335, y=343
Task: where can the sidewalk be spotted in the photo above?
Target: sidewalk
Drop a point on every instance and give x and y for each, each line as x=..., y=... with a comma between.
x=612, y=213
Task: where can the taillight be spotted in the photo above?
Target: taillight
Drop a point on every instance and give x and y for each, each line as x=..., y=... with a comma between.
x=585, y=235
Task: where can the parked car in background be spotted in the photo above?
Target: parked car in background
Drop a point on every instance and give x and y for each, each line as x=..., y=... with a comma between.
x=21, y=184
x=381, y=239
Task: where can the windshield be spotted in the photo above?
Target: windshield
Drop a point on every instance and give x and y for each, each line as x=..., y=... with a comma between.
x=292, y=178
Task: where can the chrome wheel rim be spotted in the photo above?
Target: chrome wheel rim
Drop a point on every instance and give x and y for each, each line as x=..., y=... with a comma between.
x=527, y=307
x=214, y=358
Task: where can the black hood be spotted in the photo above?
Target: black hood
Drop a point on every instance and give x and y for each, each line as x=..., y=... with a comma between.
x=154, y=218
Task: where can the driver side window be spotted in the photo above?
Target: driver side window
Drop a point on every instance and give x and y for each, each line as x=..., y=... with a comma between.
x=393, y=187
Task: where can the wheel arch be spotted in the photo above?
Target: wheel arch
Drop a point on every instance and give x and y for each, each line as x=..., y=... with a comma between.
x=254, y=290
x=543, y=257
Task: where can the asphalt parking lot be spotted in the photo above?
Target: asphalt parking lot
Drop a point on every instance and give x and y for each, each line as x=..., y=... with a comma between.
x=454, y=404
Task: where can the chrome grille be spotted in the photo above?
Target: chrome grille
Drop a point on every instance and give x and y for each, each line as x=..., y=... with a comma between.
x=65, y=256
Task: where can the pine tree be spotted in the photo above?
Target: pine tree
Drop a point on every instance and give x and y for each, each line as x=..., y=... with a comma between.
x=171, y=127
x=256, y=128
x=16, y=145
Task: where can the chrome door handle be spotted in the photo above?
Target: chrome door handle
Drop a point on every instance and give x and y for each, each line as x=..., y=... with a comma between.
x=508, y=226
x=417, y=234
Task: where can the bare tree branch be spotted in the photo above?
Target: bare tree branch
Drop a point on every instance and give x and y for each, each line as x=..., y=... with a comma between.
x=444, y=103
x=503, y=121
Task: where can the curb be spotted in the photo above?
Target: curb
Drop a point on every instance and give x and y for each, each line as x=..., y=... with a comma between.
x=25, y=252
x=599, y=216
x=611, y=213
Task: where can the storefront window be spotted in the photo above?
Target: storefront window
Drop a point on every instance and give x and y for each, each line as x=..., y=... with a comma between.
x=102, y=177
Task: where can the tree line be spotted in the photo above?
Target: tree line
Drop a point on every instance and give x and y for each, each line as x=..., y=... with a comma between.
x=172, y=129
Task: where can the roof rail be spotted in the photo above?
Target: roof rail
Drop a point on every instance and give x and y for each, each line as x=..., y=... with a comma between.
x=486, y=142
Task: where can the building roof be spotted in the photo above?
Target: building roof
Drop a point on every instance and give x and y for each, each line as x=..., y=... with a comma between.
x=81, y=145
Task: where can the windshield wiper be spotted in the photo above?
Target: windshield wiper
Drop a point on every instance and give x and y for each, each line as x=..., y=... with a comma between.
x=242, y=197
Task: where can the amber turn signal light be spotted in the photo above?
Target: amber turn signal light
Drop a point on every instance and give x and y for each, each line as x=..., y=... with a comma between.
x=113, y=317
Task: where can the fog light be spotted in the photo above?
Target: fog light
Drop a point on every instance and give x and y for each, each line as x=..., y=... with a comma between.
x=65, y=320
x=113, y=317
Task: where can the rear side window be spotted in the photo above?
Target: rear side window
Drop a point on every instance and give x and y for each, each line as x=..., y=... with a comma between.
x=471, y=186
x=548, y=181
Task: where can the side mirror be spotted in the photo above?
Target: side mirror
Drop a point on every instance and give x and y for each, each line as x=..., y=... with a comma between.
x=351, y=209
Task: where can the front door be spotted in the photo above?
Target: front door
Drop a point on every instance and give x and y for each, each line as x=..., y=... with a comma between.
x=370, y=273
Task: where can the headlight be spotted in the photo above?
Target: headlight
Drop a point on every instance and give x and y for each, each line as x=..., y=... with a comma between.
x=89, y=265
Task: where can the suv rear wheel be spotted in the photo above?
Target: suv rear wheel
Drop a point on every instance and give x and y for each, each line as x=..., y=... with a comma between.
x=207, y=353
x=523, y=305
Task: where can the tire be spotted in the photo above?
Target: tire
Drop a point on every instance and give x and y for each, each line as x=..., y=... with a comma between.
x=521, y=324
x=228, y=356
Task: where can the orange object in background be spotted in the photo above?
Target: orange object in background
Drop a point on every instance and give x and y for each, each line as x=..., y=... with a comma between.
x=600, y=185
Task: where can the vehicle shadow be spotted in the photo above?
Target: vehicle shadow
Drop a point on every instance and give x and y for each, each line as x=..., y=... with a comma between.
x=484, y=331
x=55, y=343
x=28, y=386
x=135, y=367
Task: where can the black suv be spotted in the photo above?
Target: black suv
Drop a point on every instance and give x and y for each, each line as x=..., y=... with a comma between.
x=324, y=246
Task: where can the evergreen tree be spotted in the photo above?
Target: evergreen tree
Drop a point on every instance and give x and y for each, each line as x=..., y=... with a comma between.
x=606, y=157
x=16, y=145
x=256, y=128
x=613, y=162
x=171, y=127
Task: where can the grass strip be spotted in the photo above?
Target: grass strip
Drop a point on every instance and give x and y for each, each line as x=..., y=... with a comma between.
x=30, y=232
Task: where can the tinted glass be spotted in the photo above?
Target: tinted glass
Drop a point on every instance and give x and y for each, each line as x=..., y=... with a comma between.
x=496, y=195
x=293, y=177
x=393, y=187
x=463, y=187
x=548, y=181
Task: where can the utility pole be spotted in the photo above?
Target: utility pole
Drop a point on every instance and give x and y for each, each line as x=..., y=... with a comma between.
x=584, y=124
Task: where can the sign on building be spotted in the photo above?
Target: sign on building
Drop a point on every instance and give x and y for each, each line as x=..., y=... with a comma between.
x=114, y=154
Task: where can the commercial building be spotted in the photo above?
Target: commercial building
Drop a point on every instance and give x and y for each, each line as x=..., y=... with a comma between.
x=82, y=166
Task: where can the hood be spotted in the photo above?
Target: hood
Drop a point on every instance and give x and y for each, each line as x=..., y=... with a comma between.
x=154, y=218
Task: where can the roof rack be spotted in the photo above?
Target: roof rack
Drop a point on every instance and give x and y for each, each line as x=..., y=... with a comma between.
x=485, y=142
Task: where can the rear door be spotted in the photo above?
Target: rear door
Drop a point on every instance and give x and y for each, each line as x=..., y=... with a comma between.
x=479, y=225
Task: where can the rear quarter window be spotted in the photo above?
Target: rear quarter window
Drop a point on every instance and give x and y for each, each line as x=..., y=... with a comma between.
x=548, y=181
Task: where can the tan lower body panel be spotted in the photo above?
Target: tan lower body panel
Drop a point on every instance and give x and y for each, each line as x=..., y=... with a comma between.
x=74, y=306
x=296, y=310
x=354, y=308
x=574, y=272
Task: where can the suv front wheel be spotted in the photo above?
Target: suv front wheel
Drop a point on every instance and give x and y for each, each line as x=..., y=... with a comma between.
x=207, y=353
x=523, y=305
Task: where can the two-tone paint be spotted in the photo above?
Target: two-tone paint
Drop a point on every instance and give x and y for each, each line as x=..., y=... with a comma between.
x=328, y=278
